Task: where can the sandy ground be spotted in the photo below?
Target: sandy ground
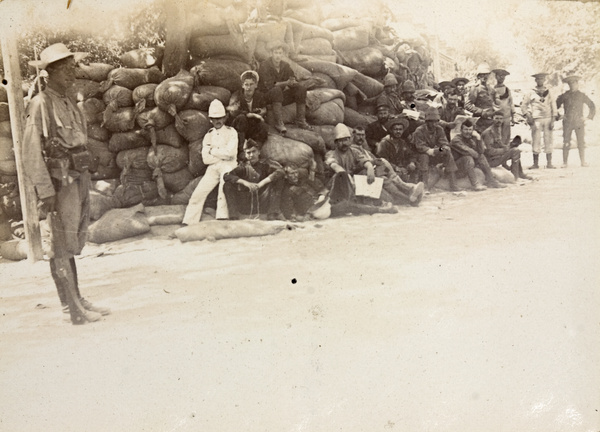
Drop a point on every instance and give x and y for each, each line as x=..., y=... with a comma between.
x=474, y=312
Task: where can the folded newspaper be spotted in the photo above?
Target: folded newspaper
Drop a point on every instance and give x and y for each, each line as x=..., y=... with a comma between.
x=363, y=188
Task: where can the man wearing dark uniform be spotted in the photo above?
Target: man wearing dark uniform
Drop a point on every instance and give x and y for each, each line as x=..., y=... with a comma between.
x=57, y=163
x=480, y=100
x=573, y=120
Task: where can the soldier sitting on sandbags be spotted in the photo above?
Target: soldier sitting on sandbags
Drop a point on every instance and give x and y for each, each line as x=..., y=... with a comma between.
x=278, y=81
x=253, y=188
x=247, y=109
x=468, y=151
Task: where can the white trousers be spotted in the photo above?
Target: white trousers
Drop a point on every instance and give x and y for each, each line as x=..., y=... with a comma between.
x=212, y=177
x=542, y=127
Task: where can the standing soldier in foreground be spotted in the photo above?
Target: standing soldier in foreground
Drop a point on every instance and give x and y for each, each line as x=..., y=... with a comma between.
x=57, y=163
x=539, y=108
x=503, y=101
x=480, y=100
x=573, y=120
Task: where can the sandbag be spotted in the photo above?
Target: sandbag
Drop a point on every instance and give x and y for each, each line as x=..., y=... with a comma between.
x=324, y=95
x=329, y=113
x=353, y=118
x=177, y=181
x=134, y=158
x=351, y=38
x=308, y=15
x=132, y=78
x=14, y=250
x=6, y=149
x=209, y=46
x=328, y=82
x=8, y=167
x=308, y=31
x=200, y=99
x=308, y=137
x=119, y=120
x=142, y=57
x=300, y=72
x=169, y=136
x=5, y=130
x=101, y=203
x=165, y=214
x=130, y=194
x=285, y=151
x=173, y=93
x=118, y=97
x=97, y=132
x=118, y=224
x=183, y=196
x=342, y=75
x=327, y=132
x=220, y=73
x=136, y=176
x=192, y=125
x=216, y=229
x=503, y=175
x=100, y=151
x=369, y=86
x=462, y=182
x=196, y=164
x=82, y=89
x=3, y=93
x=168, y=159
x=94, y=71
x=335, y=24
x=93, y=110
x=145, y=92
x=209, y=20
x=154, y=118
x=316, y=46
x=366, y=60
x=128, y=140
x=4, y=112
x=110, y=171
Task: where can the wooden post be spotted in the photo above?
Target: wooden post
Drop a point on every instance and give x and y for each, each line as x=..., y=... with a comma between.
x=178, y=35
x=17, y=123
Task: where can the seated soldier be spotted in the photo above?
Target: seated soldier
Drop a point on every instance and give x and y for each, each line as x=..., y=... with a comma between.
x=446, y=87
x=300, y=194
x=449, y=113
x=432, y=148
x=397, y=151
x=346, y=161
x=389, y=96
x=253, y=188
x=497, y=152
x=376, y=130
x=278, y=81
x=219, y=152
x=395, y=189
x=468, y=152
x=247, y=109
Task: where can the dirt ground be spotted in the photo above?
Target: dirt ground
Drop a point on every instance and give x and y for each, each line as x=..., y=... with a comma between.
x=473, y=312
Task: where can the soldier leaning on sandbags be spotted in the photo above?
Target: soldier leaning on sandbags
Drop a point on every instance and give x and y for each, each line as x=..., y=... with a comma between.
x=278, y=81
x=573, y=100
x=57, y=163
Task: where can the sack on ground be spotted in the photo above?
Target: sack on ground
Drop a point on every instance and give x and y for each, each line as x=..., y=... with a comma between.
x=165, y=214
x=216, y=229
x=119, y=224
x=503, y=175
x=14, y=250
x=100, y=204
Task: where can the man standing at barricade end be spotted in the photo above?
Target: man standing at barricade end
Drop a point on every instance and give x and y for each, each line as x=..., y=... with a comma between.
x=480, y=100
x=57, y=163
x=503, y=101
x=278, y=81
x=432, y=147
x=539, y=108
x=497, y=152
x=573, y=100
x=219, y=152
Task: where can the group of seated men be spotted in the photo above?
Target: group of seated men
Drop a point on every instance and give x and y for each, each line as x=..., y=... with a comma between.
x=408, y=154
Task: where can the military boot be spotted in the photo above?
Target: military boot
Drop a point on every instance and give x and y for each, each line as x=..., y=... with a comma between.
x=582, y=157
x=452, y=182
x=301, y=116
x=549, y=161
x=278, y=114
x=565, y=151
x=477, y=187
x=522, y=173
x=536, y=158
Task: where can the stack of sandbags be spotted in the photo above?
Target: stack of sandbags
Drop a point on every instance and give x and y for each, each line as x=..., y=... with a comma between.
x=216, y=31
x=260, y=35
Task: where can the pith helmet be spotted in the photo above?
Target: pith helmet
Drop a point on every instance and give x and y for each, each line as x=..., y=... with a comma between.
x=342, y=131
x=216, y=109
x=483, y=69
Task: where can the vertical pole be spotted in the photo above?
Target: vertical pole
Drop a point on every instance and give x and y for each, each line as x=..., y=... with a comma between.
x=436, y=49
x=17, y=124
